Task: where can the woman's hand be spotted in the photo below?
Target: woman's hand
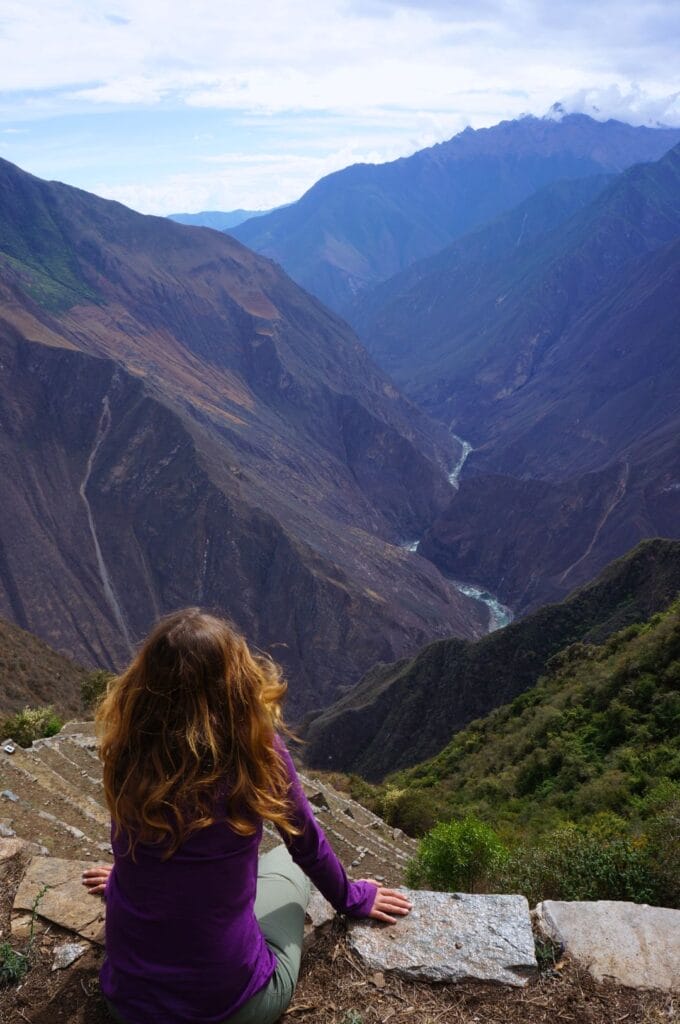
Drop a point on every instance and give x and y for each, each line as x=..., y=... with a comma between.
x=387, y=902
x=95, y=879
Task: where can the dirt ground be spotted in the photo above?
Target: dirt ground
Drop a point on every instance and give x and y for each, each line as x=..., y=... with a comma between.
x=333, y=989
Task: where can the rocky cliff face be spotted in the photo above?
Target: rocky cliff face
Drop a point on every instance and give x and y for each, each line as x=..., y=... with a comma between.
x=181, y=424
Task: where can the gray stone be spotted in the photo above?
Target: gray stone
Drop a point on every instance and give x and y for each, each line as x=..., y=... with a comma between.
x=630, y=943
x=66, y=901
x=6, y=830
x=67, y=954
x=318, y=918
x=7, y=794
x=451, y=937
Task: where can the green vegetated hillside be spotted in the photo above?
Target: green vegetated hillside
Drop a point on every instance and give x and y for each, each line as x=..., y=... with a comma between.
x=402, y=713
x=571, y=791
x=32, y=673
x=598, y=733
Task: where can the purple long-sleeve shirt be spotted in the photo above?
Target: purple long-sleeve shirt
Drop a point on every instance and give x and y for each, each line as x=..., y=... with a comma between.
x=183, y=945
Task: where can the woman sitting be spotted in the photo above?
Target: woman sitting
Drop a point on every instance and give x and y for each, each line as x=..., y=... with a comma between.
x=197, y=928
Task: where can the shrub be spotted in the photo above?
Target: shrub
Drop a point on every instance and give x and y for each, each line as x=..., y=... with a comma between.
x=412, y=810
x=31, y=724
x=93, y=687
x=578, y=863
x=457, y=855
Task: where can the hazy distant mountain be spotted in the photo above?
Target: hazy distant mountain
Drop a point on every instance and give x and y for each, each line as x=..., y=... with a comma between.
x=182, y=424
x=402, y=713
x=360, y=226
x=556, y=354
x=215, y=218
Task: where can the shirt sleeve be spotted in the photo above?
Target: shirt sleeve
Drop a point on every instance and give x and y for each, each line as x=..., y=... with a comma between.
x=314, y=854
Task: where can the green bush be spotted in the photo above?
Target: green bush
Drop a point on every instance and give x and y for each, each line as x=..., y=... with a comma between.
x=31, y=724
x=93, y=687
x=578, y=863
x=414, y=811
x=457, y=855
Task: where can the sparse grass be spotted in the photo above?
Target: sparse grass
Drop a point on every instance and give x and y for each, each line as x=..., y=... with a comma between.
x=15, y=964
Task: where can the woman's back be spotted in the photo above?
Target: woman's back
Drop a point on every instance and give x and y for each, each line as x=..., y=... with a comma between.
x=182, y=940
x=193, y=764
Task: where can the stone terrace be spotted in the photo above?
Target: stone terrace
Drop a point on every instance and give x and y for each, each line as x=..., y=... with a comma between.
x=51, y=794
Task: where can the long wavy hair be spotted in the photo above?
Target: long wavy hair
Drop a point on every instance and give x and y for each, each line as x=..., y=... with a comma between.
x=194, y=709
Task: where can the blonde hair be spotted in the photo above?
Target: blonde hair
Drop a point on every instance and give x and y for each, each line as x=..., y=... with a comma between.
x=195, y=708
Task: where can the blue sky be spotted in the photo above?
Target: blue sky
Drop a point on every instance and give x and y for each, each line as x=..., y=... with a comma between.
x=174, y=107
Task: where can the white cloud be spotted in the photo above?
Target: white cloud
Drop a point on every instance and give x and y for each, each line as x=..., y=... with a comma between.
x=634, y=105
x=331, y=80
x=240, y=180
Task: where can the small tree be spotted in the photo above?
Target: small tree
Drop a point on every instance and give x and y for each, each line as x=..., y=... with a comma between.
x=457, y=855
x=93, y=687
x=31, y=724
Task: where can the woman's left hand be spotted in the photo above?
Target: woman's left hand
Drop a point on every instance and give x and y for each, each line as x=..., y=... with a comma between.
x=95, y=879
x=388, y=902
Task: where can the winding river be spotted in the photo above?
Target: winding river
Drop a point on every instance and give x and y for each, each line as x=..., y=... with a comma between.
x=499, y=614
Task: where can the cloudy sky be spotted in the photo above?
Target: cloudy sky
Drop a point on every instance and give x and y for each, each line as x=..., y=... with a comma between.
x=184, y=106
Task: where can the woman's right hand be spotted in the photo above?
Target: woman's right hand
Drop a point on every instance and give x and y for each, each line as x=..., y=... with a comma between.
x=95, y=879
x=387, y=902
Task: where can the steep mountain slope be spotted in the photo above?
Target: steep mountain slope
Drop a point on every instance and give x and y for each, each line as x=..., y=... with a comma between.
x=182, y=424
x=32, y=673
x=364, y=224
x=558, y=360
x=597, y=733
x=403, y=713
x=466, y=331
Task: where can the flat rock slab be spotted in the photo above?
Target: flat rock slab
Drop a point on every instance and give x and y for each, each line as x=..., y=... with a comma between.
x=452, y=937
x=66, y=902
x=630, y=943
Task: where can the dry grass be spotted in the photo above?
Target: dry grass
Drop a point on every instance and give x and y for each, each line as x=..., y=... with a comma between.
x=335, y=989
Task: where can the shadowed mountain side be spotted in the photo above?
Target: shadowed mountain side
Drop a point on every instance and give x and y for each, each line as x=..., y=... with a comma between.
x=486, y=335
x=117, y=509
x=612, y=383
x=557, y=535
x=561, y=365
x=361, y=225
x=456, y=284
x=401, y=714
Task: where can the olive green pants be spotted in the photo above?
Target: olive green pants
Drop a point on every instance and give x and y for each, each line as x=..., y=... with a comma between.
x=280, y=904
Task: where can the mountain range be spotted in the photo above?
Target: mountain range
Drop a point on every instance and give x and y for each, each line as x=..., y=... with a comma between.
x=366, y=223
x=549, y=341
x=218, y=219
x=182, y=424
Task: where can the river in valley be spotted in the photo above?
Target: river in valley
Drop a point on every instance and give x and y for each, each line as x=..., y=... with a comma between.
x=499, y=614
